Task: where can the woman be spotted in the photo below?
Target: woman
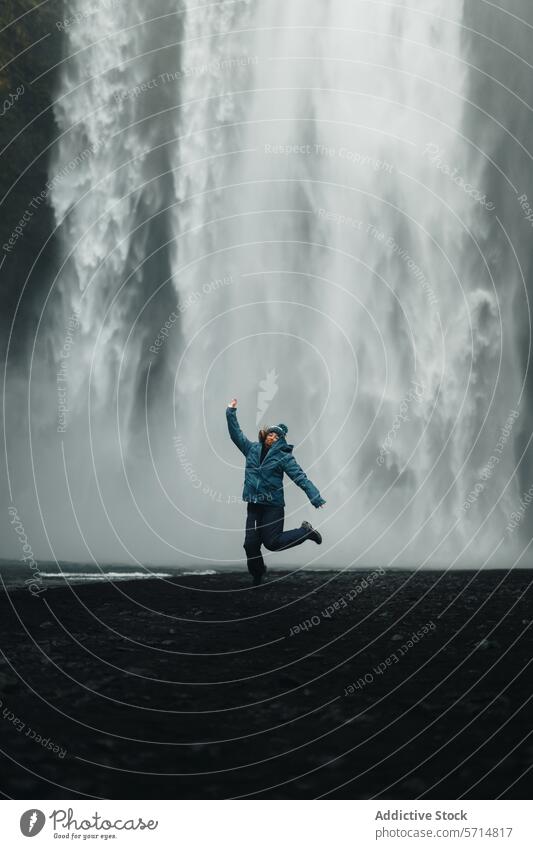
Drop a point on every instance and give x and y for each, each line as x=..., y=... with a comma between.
x=266, y=461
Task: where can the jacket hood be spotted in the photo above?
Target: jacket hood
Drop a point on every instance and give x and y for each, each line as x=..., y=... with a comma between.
x=282, y=444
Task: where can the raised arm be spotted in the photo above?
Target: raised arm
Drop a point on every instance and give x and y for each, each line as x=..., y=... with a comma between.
x=235, y=432
x=297, y=474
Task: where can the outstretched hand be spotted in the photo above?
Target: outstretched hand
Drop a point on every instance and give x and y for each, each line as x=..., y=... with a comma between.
x=233, y=402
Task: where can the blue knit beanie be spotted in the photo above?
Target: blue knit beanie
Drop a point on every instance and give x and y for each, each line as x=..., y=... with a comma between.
x=281, y=429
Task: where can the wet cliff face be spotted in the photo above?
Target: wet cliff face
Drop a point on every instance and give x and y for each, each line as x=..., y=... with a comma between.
x=30, y=50
x=499, y=50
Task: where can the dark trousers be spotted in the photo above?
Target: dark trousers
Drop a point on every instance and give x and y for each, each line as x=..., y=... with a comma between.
x=264, y=526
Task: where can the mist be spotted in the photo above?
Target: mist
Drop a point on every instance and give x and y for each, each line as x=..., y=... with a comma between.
x=317, y=208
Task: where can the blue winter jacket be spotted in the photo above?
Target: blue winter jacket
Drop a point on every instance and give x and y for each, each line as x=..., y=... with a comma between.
x=263, y=482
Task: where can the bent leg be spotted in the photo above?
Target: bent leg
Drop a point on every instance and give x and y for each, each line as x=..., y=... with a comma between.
x=252, y=542
x=273, y=535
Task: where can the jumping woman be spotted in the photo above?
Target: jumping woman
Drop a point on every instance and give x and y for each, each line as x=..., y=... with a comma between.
x=266, y=461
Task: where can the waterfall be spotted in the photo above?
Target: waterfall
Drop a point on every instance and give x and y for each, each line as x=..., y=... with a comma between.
x=299, y=204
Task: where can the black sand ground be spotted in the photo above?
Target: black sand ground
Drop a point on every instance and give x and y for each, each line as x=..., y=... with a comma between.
x=194, y=688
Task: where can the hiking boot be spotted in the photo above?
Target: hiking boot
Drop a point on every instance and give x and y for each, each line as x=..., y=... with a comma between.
x=313, y=533
x=257, y=577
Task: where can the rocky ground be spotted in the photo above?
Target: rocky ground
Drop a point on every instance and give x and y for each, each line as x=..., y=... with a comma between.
x=355, y=685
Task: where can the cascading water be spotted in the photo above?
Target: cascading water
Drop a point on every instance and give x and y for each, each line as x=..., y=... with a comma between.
x=270, y=205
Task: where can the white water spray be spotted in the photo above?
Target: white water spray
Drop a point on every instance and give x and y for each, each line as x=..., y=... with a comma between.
x=287, y=187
